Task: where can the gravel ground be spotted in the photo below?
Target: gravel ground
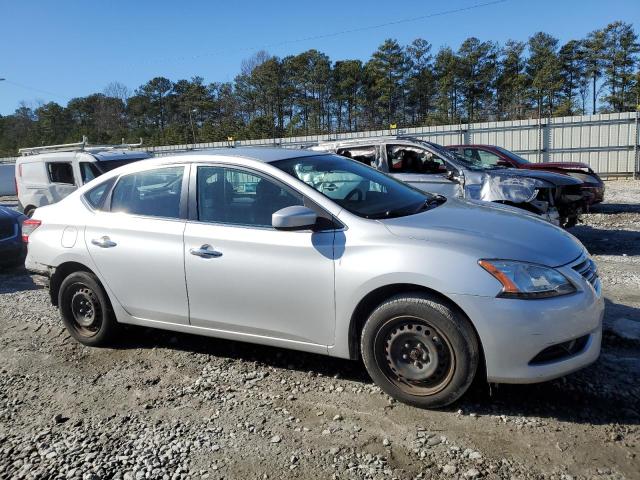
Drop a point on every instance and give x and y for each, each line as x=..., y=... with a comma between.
x=167, y=405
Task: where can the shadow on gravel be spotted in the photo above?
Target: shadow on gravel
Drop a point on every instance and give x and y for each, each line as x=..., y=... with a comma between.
x=261, y=354
x=608, y=242
x=15, y=280
x=587, y=396
x=618, y=310
x=612, y=208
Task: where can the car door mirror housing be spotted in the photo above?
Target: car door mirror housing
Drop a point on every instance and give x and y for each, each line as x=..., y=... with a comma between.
x=454, y=176
x=296, y=217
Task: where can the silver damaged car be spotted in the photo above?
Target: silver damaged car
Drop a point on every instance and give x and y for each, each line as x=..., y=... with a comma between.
x=316, y=252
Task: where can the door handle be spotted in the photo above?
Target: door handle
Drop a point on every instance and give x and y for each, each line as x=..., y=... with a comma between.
x=205, y=251
x=103, y=242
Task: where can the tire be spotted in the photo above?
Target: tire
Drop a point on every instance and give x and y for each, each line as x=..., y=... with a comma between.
x=86, y=311
x=29, y=211
x=419, y=350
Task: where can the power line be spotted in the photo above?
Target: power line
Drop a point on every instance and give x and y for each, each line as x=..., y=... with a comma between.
x=26, y=87
x=329, y=35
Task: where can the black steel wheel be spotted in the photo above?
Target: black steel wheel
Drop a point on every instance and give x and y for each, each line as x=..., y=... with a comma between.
x=420, y=350
x=85, y=309
x=415, y=355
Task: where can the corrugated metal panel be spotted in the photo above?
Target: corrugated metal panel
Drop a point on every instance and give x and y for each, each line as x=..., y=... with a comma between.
x=605, y=141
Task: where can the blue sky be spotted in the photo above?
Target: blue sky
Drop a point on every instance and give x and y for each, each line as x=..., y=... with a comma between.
x=57, y=50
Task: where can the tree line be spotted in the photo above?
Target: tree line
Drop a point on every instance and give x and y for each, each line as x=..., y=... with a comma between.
x=309, y=93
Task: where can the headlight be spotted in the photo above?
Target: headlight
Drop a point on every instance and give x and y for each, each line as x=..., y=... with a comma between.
x=527, y=280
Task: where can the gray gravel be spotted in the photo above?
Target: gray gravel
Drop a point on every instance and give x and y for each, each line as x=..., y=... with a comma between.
x=166, y=405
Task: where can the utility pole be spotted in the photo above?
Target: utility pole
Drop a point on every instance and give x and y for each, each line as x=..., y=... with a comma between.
x=193, y=131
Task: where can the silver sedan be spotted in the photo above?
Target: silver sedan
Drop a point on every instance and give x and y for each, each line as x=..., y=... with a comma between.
x=320, y=253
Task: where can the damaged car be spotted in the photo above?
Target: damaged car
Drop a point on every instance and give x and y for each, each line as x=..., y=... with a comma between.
x=430, y=167
x=592, y=184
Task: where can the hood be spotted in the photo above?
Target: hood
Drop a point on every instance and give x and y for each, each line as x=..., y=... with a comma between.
x=558, y=179
x=560, y=165
x=487, y=231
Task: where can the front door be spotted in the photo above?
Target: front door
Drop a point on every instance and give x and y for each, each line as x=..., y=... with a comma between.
x=421, y=169
x=137, y=245
x=244, y=276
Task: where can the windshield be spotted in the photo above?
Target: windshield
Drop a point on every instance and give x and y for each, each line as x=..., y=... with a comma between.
x=360, y=189
x=467, y=162
x=512, y=156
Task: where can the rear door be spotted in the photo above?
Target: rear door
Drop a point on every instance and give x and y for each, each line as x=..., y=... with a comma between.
x=137, y=243
x=244, y=276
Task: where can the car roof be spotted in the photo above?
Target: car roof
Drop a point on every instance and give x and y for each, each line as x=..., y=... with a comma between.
x=261, y=154
x=107, y=155
x=485, y=145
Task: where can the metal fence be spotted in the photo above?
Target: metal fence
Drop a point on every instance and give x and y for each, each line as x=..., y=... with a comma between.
x=607, y=142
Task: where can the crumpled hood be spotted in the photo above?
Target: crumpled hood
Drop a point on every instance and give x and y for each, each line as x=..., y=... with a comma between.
x=489, y=231
x=554, y=178
x=568, y=165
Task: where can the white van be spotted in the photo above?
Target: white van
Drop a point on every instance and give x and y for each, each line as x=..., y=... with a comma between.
x=45, y=175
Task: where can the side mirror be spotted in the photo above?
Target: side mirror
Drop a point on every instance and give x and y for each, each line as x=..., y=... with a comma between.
x=503, y=163
x=296, y=217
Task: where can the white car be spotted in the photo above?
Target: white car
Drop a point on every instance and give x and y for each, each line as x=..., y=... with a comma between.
x=316, y=252
x=45, y=175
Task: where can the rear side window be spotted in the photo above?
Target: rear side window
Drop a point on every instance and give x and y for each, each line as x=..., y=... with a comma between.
x=154, y=193
x=363, y=154
x=96, y=196
x=60, y=172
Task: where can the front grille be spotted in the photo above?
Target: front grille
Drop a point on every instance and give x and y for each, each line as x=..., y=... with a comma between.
x=7, y=230
x=560, y=351
x=588, y=269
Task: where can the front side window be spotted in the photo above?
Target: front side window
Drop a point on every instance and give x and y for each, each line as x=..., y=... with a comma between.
x=154, y=193
x=61, y=172
x=88, y=171
x=237, y=197
x=410, y=159
x=359, y=189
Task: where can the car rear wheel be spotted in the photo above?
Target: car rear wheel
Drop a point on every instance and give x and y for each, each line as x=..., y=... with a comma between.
x=420, y=351
x=85, y=310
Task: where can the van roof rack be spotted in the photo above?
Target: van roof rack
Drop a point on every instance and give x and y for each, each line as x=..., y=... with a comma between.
x=76, y=147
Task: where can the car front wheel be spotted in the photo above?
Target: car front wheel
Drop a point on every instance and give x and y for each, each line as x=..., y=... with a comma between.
x=85, y=310
x=420, y=351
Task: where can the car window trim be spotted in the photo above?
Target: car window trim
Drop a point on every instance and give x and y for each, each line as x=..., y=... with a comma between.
x=184, y=193
x=192, y=211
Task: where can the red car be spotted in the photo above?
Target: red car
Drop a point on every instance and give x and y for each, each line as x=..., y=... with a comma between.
x=492, y=155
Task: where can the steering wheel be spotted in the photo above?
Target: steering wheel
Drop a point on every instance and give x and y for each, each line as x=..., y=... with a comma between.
x=353, y=193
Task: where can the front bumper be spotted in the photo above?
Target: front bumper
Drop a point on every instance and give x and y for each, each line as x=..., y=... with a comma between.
x=514, y=333
x=596, y=193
